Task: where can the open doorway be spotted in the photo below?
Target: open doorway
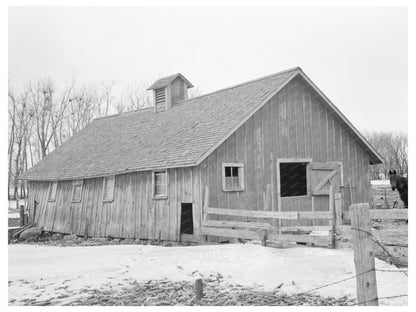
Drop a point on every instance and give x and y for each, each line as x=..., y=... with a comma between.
x=187, y=221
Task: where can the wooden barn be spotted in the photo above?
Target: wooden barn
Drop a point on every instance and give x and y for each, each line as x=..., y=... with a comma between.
x=273, y=144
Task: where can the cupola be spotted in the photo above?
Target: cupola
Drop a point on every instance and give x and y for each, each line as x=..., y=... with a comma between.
x=168, y=91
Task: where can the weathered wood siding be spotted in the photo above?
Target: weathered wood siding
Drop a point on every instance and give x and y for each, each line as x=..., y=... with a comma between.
x=132, y=214
x=295, y=123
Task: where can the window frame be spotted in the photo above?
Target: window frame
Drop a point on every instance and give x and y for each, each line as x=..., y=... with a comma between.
x=74, y=184
x=161, y=196
x=53, y=186
x=105, y=180
x=308, y=162
x=241, y=173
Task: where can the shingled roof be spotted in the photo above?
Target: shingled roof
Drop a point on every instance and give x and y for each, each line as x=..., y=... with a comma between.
x=143, y=140
x=163, y=82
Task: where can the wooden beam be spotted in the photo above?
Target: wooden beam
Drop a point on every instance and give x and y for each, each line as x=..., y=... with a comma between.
x=397, y=214
x=252, y=213
x=363, y=255
x=306, y=228
x=235, y=224
x=298, y=238
x=243, y=234
x=325, y=181
x=383, y=214
x=315, y=214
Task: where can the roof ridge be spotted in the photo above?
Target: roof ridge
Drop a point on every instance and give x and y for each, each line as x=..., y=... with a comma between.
x=241, y=84
x=123, y=113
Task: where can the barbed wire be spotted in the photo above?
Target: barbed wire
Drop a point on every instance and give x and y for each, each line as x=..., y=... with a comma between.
x=380, y=298
x=389, y=255
x=337, y=282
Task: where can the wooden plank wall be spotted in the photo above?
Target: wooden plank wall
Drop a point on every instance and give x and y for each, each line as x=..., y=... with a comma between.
x=132, y=214
x=295, y=123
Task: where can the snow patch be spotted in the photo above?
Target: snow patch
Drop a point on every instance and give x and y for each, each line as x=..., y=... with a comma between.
x=46, y=272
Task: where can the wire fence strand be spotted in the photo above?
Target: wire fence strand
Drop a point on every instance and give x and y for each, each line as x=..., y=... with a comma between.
x=389, y=255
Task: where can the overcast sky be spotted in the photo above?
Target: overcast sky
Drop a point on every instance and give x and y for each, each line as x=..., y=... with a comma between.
x=356, y=56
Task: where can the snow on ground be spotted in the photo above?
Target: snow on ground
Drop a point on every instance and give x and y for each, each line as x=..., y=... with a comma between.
x=14, y=215
x=45, y=272
x=380, y=182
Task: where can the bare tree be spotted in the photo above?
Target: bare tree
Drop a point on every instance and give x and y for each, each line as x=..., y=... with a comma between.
x=393, y=148
x=137, y=96
x=106, y=98
x=20, y=120
x=48, y=113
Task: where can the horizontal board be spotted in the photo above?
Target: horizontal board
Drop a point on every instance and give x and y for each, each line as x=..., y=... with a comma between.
x=306, y=228
x=324, y=166
x=252, y=213
x=244, y=234
x=272, y=235
x=232, y=224
x=391, y=214
x=320, y=193
x=315, y=214
x=316, y=240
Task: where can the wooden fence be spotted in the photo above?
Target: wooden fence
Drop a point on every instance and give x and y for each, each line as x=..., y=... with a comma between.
x=265, y=231
x=339, y=234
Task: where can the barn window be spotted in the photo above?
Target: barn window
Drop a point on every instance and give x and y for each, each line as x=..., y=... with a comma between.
x=52, y=191
x=160, y=184
x=108, y=191
x=77, y=191
x=233, y=176
x=293, y=179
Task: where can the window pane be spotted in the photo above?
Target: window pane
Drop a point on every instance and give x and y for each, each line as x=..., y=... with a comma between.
x=77, y=193
x=109, y=188
x=293, y=179
x=228, y=171
x=52, y=190
x=228, y=182
x=160, y=190
x=235, y=171
x=160, y=178
x=236, y=182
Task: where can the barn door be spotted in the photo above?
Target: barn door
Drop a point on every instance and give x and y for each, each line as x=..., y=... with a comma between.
x=324, y=174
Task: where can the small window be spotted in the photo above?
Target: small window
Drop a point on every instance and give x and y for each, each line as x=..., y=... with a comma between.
x=233, y=177
x=293, y=179
x=52, y=191
x=160, y=184
x=77, y=191
x=108, y=192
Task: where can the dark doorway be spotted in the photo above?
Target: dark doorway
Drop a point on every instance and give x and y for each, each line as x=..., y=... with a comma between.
x=293, y=179
x=187, y=221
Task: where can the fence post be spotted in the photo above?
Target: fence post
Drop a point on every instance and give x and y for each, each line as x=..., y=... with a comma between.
x=332, y=222
x=206, y=204
x=199, y=289
x=363, y=255
x=22, y=215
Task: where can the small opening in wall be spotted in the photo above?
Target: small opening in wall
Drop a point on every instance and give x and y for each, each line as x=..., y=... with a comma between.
x=293, y=179
x=187, y=221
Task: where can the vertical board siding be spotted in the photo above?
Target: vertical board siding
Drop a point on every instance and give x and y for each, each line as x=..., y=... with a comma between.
x=132, y=214
x=295, y=123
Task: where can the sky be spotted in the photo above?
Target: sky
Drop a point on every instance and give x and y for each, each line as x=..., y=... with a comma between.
x=356, y=55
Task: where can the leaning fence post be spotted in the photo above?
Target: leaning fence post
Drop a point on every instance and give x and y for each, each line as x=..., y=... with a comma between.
x=22, y=215
x=363, y=255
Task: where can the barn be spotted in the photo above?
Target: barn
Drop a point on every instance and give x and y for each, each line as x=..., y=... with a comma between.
x=273, y=144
